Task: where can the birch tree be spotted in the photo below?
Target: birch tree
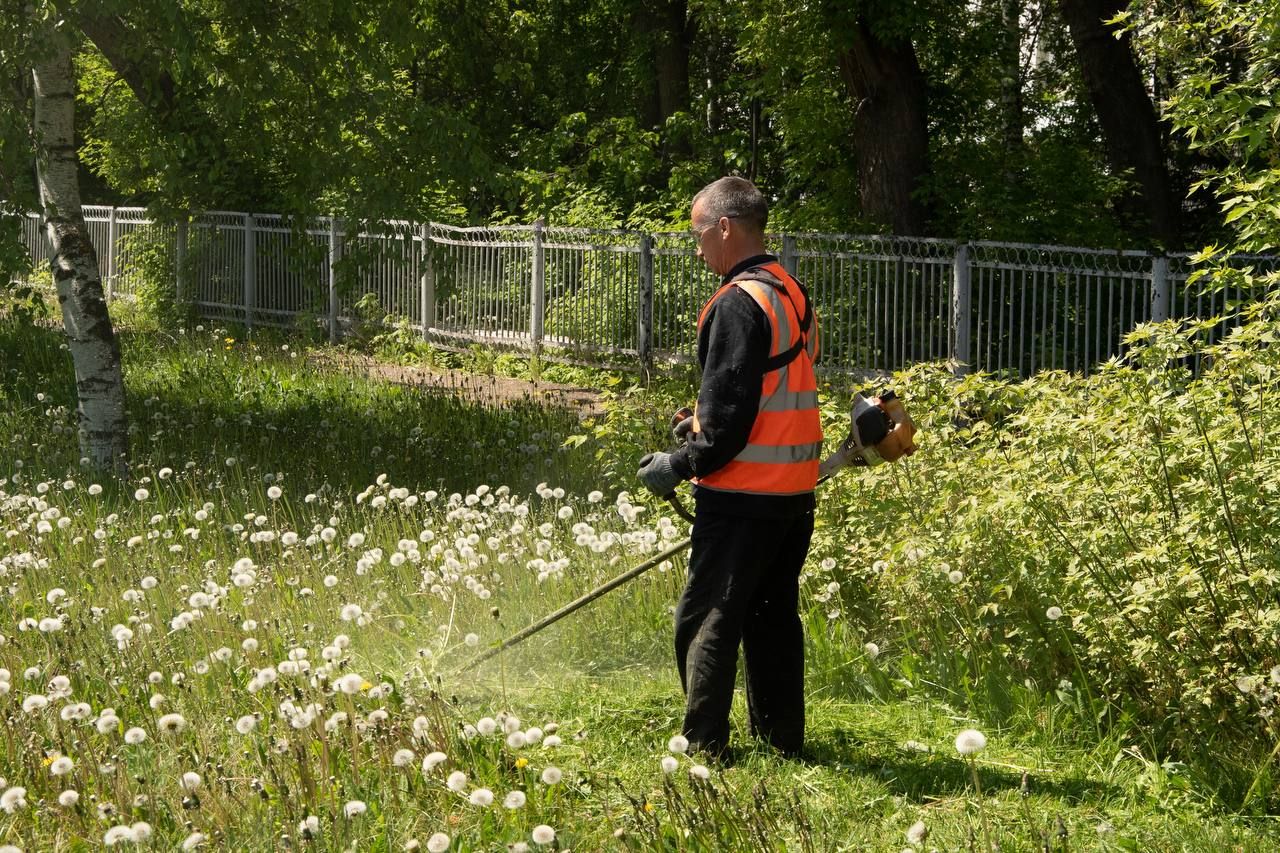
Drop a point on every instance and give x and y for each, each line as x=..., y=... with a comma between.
x=91, y=338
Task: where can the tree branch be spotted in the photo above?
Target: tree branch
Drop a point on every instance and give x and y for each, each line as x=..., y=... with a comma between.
x=152, y=85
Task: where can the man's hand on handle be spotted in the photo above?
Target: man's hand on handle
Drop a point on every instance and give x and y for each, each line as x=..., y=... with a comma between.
x=658, y=475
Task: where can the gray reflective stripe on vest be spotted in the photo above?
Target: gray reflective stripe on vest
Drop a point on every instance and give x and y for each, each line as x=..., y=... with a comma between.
x=779, y=311
x=771, y=293
x=780, y=454
x=783, y=400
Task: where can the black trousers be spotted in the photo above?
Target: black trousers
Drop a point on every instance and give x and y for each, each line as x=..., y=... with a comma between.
x=743, y=588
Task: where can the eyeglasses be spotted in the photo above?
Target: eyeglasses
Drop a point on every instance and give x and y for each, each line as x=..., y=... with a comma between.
x=698, y=232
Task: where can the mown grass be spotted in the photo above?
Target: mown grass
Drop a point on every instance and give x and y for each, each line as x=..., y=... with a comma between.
x=235, y=419
x=872, y=769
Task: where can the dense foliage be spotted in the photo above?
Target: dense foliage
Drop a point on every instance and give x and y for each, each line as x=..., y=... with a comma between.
x=1110, y=539
x=614, y=111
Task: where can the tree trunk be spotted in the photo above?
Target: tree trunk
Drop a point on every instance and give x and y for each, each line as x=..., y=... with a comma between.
x=95, y=352
x=668, y=32
x=1011, y=105
x=1130, y=127
x=890, y=130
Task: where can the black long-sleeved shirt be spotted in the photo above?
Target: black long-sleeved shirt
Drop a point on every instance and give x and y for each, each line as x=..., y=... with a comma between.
x=733, y=350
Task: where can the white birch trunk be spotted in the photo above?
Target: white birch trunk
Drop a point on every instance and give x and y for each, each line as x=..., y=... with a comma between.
x=95, y=352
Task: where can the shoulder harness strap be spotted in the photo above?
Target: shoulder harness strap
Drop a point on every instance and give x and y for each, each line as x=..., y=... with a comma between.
x=787, y=356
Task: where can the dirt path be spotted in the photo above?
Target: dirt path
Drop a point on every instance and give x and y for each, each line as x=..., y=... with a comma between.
x=586, y=402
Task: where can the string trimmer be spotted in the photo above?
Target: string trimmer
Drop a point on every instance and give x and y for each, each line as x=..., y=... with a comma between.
x=880, y=430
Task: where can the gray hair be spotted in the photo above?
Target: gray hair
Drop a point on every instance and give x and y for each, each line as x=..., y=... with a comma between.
x=736, y=198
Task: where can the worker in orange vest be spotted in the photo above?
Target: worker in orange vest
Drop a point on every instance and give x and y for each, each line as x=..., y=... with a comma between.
x=752, y=450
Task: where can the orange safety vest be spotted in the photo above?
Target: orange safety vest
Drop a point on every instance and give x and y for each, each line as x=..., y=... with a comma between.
x=783, y=449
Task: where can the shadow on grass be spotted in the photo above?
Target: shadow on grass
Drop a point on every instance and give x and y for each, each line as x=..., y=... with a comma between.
x=925, y=776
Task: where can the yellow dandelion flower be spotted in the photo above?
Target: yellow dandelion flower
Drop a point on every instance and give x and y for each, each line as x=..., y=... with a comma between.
x=522, y=763
x=364, y=685
x=648, y=807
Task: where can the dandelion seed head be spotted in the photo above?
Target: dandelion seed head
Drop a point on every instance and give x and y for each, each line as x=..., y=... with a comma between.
x=970, y=741
x=351, y=683
x=117, y=835
x=171, y=724
x=13, y=799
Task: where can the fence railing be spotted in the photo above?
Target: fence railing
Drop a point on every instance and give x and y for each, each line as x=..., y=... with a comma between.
x=630, y=298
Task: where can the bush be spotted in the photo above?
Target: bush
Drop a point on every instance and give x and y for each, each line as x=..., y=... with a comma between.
x=1111, y=540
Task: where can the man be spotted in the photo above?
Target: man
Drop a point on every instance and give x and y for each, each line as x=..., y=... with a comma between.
x=752, y=450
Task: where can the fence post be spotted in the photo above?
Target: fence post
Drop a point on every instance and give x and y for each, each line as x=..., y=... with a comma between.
x=333, y=279
x=644, y=345
x=250, y=271
x=180, y=260
x=1160, y=295
x=961, y=310
x=789, y=253
x=111, y=252
x=428, y=283
x=538, y=287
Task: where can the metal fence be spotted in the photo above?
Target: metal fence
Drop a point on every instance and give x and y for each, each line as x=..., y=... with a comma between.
x=629, y=298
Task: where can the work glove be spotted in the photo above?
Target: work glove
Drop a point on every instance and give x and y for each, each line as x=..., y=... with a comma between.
x=682, y=424
x=658, y=475
x=682, y=429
